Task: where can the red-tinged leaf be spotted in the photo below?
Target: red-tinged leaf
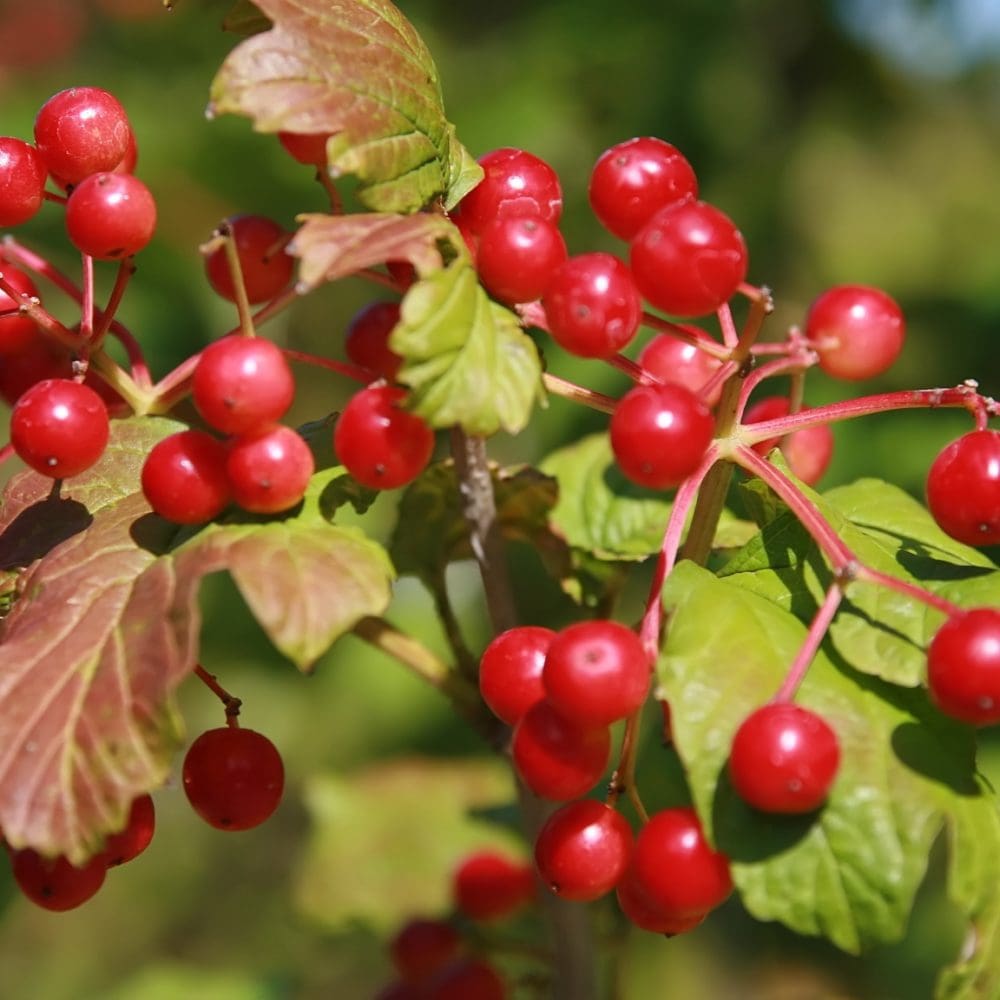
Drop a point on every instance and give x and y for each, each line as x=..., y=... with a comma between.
x=357, y=70
x=334, y=246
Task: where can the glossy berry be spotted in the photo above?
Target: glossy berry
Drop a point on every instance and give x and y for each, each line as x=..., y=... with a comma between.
x=380, y=444
x=488, y=885
x=184, y=477
x=649, y=917
x=266, y=268
x=633, y=180
x=233, y=777
x=515, y=184
x=808, y=451
x=676, y=362
x=583, y=850
x=517, y=257
x=675, y=867
x=59, y=427
x=660, y=433
x=556, y=757
x=422, y=946
x=510, y=671
x=857, y=331
x=465, y=979
x=22, y=181
x=592, y=306
x=596, y=672
x=306, y=147
x=242, y=383
x=110, y=216
x=17, y=333
x=269, y=469
x=128, y=844
x=963, y=666
x=784, y=759
x=53, y=883
x=963, y=488
x=82, y=131
x=366, y=342
x=689, y=259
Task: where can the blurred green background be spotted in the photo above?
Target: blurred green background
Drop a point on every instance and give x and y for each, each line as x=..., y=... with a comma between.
x=852, y=142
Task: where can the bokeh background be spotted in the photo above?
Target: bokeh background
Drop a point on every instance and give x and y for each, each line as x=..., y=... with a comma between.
x=852, y=141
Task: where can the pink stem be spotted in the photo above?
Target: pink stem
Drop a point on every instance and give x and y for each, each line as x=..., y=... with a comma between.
x=817, y=629
x=729, y=335
x=7, y=451
x=577, y=394
x=87, y=305
x=880, y=579
x=703, y=343
x=354, y=372
x=126, y=268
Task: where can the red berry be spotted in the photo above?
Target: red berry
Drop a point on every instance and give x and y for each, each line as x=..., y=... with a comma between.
x=59, y=427
x=491, y=886
x=233, y=777
x=963, y=666
x=510, y=671
x=676, y=362
x=423, y=946
x=55, y=884
x=110, y=216
x=592, y=305
x=660, y=433
x=380, y=444
x=39, y=358
x=596, y=672
x=269, y=469
x=517, y=257
x=266, y=268
x=583, y=850
x=808, y=451
x=963, y=488
x=556, y=757
x=306, y=147
x=367, y=339
x=242, y=383
x=17, y=333
x=466, y=979
x=129, y=843
x=641, y=912
x=784, y=759
x=516, y=184
x=857, y=331
x=82, y=131
x=184, y=477
x=675, y=868
x=22, y=181
x=689, y=259
x=633, y=180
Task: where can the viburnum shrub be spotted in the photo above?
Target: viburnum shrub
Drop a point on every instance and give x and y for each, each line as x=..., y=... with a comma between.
x=817, y=662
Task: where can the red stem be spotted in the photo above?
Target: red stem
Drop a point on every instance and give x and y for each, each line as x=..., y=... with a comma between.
x=231, y=703
x=817, y=629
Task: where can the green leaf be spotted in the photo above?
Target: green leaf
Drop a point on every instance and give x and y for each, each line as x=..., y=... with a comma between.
x=369, y=860
x=357, y=70
x=850, y=871
x=466, y=358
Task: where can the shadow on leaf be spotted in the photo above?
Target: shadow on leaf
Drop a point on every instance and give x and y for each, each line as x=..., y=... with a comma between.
x=40, y=528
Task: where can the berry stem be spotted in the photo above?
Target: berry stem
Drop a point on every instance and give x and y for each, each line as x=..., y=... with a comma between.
x=623, y=778
x=578, y=394
x=869, y=575
x=728, y=325
x=126, y=268
x=231, y=703
x=33, y=308
x=661, y=325
x=87, y=305
x=466, y=662
x=817, y=630
x=636, y=373
x=225, y=231
x=354, y=372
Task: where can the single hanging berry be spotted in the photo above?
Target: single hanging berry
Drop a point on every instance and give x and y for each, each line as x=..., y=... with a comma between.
x=963, y=488
x=110, y=216
x=488, y=885
x=184, y=477
x=963, y=666
x=54, y=883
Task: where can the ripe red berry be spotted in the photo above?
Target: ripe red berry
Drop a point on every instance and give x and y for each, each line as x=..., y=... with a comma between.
x=689, y=259
x=269, y=469
x=422, y=946
x=242, y=383
x=517, y=257
x=17, y=333
x=82, y=131
x=857, y=331
x=367, y=339
x=633, y=180
x=22, y=181
x=129, y=843
x=660, y=433
x=510, y=671
x=59, y=427
x=676, y=362
x=592, y=306
x=465, y=979
x=641, y=912
x=488, y=885
x=556, y=757
x=784, y=759
x=233, y=777
x=306, y=147
x=808, y=451
x=53, y=883
x=583, y=850
x=963, y=488
x=516, y=184
x=596, y=672
x=963, y=666
x=266, y=268
x=380, y=444
x=675, y=868
x=184, y=477
x=110, y=216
